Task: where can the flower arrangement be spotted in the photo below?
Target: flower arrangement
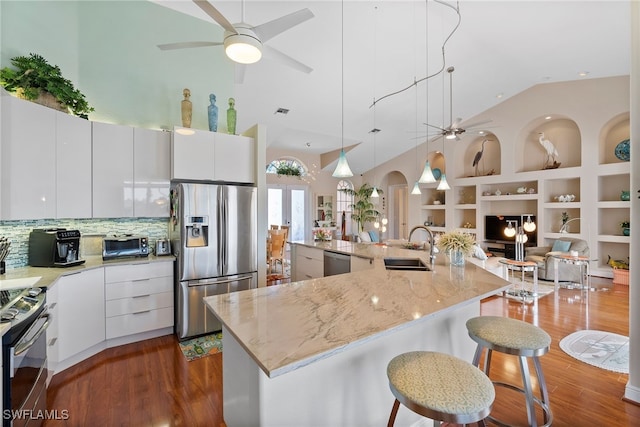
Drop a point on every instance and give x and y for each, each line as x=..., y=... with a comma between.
x=456, y=241
x=322, y=234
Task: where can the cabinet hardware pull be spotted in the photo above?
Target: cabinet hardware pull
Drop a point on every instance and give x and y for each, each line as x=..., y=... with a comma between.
x=52, y=305
x=141, y=280
x=52, y=342
x=141, y=296
x=142, y=312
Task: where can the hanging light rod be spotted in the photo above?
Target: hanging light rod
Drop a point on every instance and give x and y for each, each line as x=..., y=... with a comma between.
x=415, y=82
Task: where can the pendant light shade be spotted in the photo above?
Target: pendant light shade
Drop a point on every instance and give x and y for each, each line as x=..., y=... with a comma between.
x=444, y=185
x=427, y=174
x=374, y=193
x=529, y=225
x=342, y=168
x=416, y=189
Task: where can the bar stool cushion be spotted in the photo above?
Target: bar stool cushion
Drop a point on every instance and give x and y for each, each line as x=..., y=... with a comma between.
x=509, y=336
x=440, y=386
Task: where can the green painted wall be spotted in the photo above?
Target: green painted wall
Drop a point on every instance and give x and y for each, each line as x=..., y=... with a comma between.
x=108, y=50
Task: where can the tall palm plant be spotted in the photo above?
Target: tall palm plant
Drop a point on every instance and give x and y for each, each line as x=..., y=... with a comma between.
x=362, y=210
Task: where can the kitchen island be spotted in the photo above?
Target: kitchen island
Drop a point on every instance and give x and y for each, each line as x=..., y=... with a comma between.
x=314, y=352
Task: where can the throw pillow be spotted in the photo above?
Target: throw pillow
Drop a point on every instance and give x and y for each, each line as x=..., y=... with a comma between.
x=479, y=253
x=561, y=246
x=364, y=237
x=373, y=235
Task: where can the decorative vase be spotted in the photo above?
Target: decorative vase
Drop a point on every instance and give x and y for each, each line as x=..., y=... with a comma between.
x=231, y=117
x=626, y=231
x=625, y=196
x=456, y=257
x=186, y=108
x=212, y=111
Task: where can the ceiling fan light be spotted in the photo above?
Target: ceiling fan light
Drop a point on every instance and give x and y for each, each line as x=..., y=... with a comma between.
x=427, y=175
x=443, y=185
x=242, y=48
x=342, y=168
x=450, y=135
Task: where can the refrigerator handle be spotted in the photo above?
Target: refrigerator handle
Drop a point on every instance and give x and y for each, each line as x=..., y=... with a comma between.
x=222, y=226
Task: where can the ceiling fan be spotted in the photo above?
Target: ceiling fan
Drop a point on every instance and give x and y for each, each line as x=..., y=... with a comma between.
x=244, y=43
x=455, y=128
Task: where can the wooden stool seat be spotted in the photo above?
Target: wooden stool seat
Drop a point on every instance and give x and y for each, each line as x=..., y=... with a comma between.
x=522, y=339
x=439, y=387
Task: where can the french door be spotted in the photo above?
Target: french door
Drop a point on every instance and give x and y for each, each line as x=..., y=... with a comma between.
x=288, y=205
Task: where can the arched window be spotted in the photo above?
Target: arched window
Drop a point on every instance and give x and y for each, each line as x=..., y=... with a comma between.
x=287, y=166
x=343, y=204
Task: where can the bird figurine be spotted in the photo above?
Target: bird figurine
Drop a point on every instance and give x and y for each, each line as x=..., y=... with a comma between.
x=478, y=156
x=552, y=153
x=618, y=263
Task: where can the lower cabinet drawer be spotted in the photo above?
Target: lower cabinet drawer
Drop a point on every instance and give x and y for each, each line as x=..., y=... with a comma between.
x=308, y=268
x=135, y=323
x=122, y=306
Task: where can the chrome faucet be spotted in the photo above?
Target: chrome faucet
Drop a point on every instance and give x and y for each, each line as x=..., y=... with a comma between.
x=432, y=255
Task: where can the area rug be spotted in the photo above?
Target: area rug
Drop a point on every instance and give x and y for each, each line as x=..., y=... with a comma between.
x=605, y=350
x=524, y=291
x=205, y=345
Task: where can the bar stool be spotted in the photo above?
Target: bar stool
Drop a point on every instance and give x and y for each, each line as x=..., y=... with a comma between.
x=522, y=339
x=439, y=387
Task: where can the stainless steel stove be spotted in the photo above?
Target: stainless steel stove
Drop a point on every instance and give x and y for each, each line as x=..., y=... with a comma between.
x=24, y=352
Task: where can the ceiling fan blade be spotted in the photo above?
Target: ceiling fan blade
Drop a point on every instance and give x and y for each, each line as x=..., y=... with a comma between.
x=270, y=29
x=240, y=70
x=456, y=123
x=285, y=59
x=437, y=127
x=216, y=15
x=186, y=45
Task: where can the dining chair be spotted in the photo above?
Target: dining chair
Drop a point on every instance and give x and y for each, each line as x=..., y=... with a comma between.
x=276, y=248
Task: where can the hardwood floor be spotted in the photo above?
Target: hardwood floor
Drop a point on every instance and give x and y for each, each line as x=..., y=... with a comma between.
x=151, y=383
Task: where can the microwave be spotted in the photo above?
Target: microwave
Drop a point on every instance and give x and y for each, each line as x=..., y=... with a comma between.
x=122, y=246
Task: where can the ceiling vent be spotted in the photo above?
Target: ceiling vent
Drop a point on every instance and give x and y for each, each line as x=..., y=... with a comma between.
x=374, y=130
x=282, y=111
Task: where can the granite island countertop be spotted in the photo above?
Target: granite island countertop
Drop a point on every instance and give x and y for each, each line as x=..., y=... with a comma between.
x=288, y=326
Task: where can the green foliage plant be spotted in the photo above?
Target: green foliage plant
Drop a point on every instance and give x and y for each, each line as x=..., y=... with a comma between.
x=33, y=74
x=456, y=241
x=287, y=169
x=362, y=210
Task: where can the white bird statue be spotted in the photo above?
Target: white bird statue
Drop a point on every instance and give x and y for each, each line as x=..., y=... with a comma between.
x=552, y=153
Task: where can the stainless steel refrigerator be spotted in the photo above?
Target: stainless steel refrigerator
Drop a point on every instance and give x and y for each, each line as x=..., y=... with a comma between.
x=213, y=232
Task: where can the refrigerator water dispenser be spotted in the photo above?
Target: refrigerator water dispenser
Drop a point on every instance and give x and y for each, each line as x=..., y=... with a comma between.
x=196, y=231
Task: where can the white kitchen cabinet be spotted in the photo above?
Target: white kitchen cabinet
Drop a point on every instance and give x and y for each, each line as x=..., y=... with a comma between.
x=28, y=160
x=203, y=155
x=139, y=298
x=234, y=158
x=73, y=166
x=308, y=263
x=151, y=173
x=80, y=310
x=112, y=170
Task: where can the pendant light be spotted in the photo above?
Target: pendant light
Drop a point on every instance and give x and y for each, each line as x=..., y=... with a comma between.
x=416, y=186
x=443, y=185
x=342, y=168
x=427, y=174
x=375, y=130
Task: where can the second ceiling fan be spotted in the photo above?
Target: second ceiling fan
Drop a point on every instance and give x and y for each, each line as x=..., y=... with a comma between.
x=455, y=127
x=244, y=43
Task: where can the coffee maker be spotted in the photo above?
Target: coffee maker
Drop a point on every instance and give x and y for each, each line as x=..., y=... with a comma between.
x=54, y=247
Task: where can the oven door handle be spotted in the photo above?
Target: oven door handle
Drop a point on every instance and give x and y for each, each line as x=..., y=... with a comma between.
x=24, y=346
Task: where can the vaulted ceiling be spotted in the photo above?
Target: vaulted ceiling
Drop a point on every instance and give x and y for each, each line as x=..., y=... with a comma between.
x=364, y=50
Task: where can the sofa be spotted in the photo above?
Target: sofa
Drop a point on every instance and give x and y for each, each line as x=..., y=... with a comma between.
x=543, y=256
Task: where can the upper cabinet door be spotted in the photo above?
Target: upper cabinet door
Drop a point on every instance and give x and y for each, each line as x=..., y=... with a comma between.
x=112, y=171
x=73, y=166
x=234, y=158
x=28, y=160
x=151, y=173
x=212, y=156
x=192, y=152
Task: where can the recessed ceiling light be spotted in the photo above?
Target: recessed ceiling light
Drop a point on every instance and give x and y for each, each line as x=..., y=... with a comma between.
x=282, y=111
x=583, y=73
x=500, y=95
x=548, y=118
x=481, y=132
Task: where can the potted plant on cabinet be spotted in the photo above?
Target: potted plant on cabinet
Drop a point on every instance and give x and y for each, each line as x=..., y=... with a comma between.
x=457, y=245
x=362, y=209
x=36, y=80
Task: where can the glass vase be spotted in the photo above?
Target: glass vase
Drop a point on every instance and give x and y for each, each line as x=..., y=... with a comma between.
x=456, y=257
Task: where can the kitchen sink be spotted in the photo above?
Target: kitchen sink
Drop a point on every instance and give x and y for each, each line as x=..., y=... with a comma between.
x=415, y=264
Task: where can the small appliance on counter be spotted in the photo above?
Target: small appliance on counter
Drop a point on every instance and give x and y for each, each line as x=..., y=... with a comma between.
x=125, y=245
x=5, y=248
x=163, y=247
x=54, y=247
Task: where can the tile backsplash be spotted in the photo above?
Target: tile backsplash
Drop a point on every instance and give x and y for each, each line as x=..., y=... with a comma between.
x=92, y=231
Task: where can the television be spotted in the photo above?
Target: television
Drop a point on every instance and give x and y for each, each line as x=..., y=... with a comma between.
x=494, y=226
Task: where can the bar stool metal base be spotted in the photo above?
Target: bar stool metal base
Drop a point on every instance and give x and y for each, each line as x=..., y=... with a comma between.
x=523, y=340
